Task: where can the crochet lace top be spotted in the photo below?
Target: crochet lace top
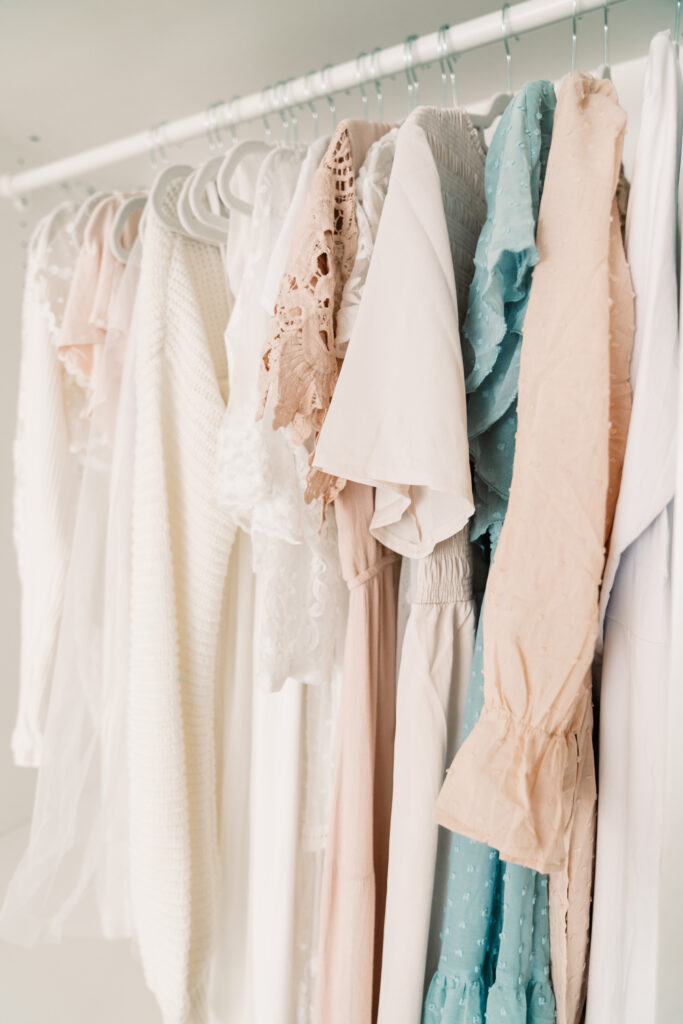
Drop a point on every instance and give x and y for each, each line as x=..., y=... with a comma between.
x=300, y=362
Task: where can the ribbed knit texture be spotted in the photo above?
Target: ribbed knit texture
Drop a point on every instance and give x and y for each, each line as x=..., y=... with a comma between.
x=181, y=545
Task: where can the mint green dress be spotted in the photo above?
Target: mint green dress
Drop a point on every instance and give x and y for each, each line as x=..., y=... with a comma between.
x=495, y=947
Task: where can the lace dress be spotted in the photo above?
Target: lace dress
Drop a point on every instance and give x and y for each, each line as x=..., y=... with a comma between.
x=277, y=264
x=494, y=957
x=46, y=474
x=299, y=599
x=299, y=617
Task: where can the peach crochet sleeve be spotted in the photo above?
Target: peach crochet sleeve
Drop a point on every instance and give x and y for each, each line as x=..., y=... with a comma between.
x=512, y=784
x=300, y=363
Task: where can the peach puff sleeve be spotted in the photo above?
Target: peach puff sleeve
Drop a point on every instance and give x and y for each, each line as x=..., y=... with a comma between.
x=513, y=782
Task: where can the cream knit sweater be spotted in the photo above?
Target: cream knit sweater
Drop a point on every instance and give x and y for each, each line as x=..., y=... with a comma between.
x=181, y=545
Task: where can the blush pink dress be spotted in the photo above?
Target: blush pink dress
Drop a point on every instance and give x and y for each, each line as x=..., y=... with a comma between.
x=300, y=366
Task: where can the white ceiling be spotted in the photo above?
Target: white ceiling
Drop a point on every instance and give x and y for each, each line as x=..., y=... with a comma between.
x=74, y=74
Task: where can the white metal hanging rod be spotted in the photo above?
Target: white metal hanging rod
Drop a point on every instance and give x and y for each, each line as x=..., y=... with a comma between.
x=519, y=18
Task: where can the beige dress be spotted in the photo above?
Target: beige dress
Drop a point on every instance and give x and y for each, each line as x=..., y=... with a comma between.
x=299, y=371
x=524, y=780
x=398, y=420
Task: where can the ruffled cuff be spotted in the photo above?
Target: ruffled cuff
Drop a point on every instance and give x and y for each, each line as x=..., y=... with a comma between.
x=27, y=746
x=511, y=786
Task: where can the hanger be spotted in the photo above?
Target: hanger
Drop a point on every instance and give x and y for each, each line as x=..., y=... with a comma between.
x=128, y=207
x=194, y=227
x=86, y=208
x=447, y=65
x=376, y=83
x=280, y=107
x=161, y=182
x=574, y=21
x=193, y=213
x=203, y=179
x=158, y=191
x=677, y=21
x=324, y=77
x=411, y=73
x=311, y=107
x=228, y=168
x=289, y=106
x=500, y=102
x=605, y=71
x=361, y=88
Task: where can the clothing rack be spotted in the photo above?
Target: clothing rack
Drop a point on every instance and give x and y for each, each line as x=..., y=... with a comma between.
x=414, y=53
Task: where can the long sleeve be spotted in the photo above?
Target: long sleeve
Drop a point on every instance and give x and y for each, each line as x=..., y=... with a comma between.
x=181, y=543
x=512, y=784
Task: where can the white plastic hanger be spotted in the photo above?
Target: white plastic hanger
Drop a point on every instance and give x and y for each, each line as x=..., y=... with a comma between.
x=87, y=207
x=158, y=192
x=228, y=168
x=192, y=226
x=203, y=180
x=193, y=208
x=124, y=211
x=499, y=103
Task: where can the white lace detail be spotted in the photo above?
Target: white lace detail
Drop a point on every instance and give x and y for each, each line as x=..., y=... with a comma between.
x=261, y=478
x=371, y=189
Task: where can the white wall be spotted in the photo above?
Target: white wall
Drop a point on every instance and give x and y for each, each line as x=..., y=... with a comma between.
x=75, y=74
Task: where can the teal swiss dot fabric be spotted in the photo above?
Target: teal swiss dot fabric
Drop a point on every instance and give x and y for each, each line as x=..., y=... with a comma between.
x=495, y=948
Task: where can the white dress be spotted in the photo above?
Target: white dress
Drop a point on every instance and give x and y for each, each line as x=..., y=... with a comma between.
x=277, y=264
x=636, y=593
x=181, y=544
x=46, y=475
x=298, y=627
x=259, y=477
x=73, y=878
x=398, y=420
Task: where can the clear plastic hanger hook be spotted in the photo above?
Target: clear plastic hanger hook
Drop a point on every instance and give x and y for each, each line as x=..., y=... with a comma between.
x=279, y=106
x=574, y=23
x=411, y=74
x=231, y=116
x=213, y=135
x=309, y=103
x=291, y=111
x=361, y=87
x=605, y=34
x=157, y=149
x=375, y=81
x=506, y=43
x=677, y=22
x=325, y=75
x=447, y=65
x=153, y=159
x=266, y=124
